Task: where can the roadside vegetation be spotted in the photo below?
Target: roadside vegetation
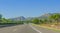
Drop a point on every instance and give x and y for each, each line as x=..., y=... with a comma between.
x=51, y=21
x=4, y=21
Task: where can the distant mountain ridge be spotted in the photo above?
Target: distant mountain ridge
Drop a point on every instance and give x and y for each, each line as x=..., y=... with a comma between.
x=44, y=16
x=18, y=18
x=22, y=18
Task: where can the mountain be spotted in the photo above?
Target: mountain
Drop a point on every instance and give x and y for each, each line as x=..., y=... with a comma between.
x=22, y=18
x=19, y=18
x=29, y=18
x=45, y=16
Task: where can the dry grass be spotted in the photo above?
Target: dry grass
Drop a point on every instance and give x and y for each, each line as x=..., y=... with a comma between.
x=49, y=26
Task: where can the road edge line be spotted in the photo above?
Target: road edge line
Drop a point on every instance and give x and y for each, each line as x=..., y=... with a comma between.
x=35, y=29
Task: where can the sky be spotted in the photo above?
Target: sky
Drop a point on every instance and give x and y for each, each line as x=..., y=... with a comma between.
x=28, y=8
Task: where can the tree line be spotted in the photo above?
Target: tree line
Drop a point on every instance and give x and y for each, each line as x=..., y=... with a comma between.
x=8, y=21
x=53, y=18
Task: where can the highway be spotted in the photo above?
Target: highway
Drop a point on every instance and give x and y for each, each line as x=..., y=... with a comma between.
x=18, y=29
x=26, y=28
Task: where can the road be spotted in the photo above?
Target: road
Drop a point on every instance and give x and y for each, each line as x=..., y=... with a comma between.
x=26, y=28
x=18, y=29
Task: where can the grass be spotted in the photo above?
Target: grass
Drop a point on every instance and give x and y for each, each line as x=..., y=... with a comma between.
x=46, y=27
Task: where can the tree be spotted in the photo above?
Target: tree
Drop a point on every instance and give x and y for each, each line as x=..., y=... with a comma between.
x=36, y=21
x=40, y=21
x=0, y=18
x=55, y=17
x=43, y=21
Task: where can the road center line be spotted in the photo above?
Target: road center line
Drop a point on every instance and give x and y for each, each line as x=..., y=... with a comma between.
x=35, y=29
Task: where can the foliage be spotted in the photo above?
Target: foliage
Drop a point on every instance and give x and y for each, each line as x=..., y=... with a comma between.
x=36, y=21
x=0, y=16
x=55, y=17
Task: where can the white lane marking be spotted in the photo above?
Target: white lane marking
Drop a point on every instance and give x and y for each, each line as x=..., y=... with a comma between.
x=35, y=29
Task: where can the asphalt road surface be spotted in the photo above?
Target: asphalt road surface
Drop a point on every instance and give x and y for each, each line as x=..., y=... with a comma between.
x=18, y=29
x=26, y=28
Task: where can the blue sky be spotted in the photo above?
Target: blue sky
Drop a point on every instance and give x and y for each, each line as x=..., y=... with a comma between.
x=28, y=8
